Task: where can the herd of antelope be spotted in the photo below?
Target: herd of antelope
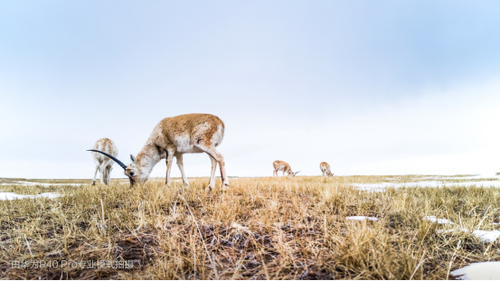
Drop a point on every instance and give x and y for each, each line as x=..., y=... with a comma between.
x=173, y=137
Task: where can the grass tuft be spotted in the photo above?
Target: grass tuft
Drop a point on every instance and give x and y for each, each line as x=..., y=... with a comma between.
x=260, y=228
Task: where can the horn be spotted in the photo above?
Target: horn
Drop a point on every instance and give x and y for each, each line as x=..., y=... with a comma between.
x=297, y=173
x=112, y=157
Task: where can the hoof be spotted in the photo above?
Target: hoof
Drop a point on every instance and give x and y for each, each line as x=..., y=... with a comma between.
x=93, y=183
x=209, y=188
x=226, y=183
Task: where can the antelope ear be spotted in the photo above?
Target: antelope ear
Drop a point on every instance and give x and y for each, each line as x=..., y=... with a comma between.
x=133, y=159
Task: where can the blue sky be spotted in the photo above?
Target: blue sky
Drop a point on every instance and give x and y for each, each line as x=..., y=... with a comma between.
x=385, y=87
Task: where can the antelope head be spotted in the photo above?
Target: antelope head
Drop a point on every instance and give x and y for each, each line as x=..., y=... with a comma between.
x=292, y=174
x=132, y=171
x=135, y=173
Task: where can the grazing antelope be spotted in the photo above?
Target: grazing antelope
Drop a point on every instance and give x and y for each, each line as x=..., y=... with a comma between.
x=284, y=167
x=174, y=136
x=103, y=163
x=325, y=169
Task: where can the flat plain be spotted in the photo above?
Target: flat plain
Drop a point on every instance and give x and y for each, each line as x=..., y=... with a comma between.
x=307, y=227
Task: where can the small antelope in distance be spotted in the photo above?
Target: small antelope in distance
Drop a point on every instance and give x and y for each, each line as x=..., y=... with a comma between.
x=175, y=136
x=325, y=169
x=103, y=163
x=284, y=167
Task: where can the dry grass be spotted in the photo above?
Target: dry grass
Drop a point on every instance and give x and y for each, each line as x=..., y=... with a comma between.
x=260, y=228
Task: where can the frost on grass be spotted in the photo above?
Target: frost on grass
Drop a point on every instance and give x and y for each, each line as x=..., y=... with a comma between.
x=479, y=271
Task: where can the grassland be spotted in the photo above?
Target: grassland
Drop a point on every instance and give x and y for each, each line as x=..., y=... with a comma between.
x=260, y=228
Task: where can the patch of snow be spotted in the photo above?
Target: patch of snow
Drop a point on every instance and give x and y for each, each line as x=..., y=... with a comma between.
x=435, y=178
x=439, y=221
x=12, y=195
x=487, y=236
x=476, y=183
x=478, y=176
x=44, y=184
x=379, y=187
x=361, y=218
x=371, y=189
x=483, y=176
x=479, y=271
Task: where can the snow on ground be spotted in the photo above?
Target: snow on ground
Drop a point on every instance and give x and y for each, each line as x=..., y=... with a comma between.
x=482, y=176
x=479, y=271
x=487, y=236
x=439, y=221
x=12, y=195
x=379, y=187
x=479, y=176
x=444, y=177
x=483, y=235
x=371, y=187
x=432, y=181
x=361, y=218
x=44, y=184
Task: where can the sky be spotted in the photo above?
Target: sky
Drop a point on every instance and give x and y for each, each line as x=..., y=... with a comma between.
x=371, y=87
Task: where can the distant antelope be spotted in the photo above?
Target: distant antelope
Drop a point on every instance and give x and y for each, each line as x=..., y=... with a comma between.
x=284, y=167
x=103, y=163
x=325, y=169
x=174, y=136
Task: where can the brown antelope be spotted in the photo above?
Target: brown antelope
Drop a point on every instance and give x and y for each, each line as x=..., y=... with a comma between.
x=325, y=169
x=284, y=167
x=103, y=163
x=174, y=136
